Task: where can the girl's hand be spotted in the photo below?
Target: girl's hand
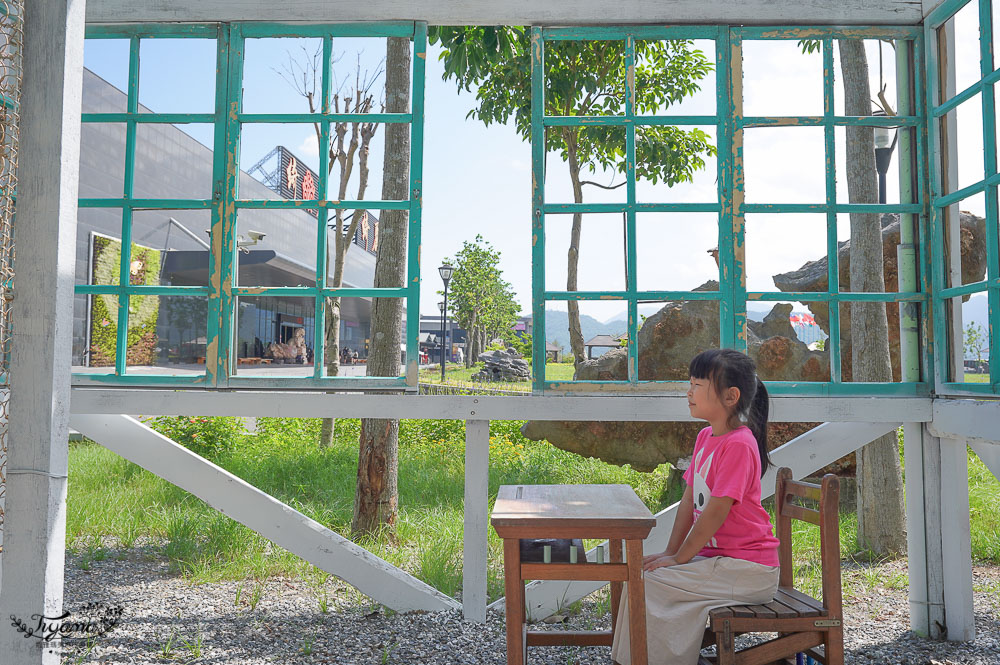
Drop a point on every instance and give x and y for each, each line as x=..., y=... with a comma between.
x=660, y=561
x=653, y=557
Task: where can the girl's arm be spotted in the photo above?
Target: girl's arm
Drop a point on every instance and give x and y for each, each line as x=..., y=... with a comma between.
x=708, y=523
x=682, y=524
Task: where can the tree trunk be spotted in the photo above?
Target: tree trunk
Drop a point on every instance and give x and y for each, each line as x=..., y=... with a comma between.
x=470, y=341
x=881, y=517
x=573, y=257
x=376, y=499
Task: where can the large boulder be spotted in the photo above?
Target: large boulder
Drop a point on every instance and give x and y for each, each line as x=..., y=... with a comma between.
x=503, y=365
x=813, y=276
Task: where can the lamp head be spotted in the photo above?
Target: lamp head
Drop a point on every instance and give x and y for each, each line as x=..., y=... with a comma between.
x=441, y=307
x=883, y=135
x=446, y=271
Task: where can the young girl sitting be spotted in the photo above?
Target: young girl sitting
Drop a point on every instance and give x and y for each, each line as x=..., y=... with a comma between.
x=722, y=550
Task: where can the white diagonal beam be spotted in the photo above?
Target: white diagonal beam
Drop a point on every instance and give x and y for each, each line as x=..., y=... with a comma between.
x=260, y=511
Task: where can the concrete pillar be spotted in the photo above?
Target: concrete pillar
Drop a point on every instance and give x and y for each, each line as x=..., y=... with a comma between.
x=35, y=528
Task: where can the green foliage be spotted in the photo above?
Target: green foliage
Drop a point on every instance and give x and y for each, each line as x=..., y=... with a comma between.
x=480, y=299
x=977, y=340
x=583, y=78
x=205, y=436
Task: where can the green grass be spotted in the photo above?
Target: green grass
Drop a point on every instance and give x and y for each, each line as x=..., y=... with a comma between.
x=458, y=374
x=112, y=498
x=977, y=378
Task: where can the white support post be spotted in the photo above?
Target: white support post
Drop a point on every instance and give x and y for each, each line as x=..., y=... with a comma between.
x=916, y=530
x=37, y=462
x=475, y=550
x=956, y=541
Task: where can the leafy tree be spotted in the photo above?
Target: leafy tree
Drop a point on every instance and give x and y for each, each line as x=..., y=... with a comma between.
x=350, y=143
x=881, y=516
x=976, y=341
x=480, y=300
x=583, y=78
x=376, y=498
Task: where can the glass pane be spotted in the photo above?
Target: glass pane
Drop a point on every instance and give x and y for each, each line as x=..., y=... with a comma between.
x=601, y=181
x=784, y=165
x=662, y=324
x=663, y=70
x=182, y=237
x=177, y=75
x=173, y=161
x=347, y=352
x=96, y=228
x=677, y=251
x=358, y=255
x=676, y=164
x=881, y=58
x=102, y=160
x=870, y=317
x=976, y=338
x=967, y=129
x=585, y=77
x=886, y=259
x=600, y=257
x=786, y=252
x=788, y=340
x=966, y=24
x=275, y=71
x=167, y=335
x=780, y=80
x=105, y=75
x=968, y=241
x=276, y=247
x=94, y=350
x=274, y=336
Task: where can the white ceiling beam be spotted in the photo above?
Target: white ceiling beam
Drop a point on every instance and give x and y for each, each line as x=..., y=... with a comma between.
x=516, y=12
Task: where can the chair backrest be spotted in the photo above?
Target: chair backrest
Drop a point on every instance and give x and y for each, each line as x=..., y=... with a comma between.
x=826, y=517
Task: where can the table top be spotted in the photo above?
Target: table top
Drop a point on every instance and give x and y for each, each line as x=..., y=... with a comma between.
x=611, y=508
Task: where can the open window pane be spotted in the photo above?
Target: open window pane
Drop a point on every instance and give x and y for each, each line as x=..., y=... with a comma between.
x=102, y=160
x=167, y=335
x=788, y=340
x=965, y=241
x=177, y=75
x=662, y=67
x=784, y=165
x=274, y=336
x=173, y=161
x=585, y=77
x=976, y=338
x=863, y=321
x=105, y=75
x=182, y=239
x=676, y=164
x=786, y=252
x=663, y=324
x=677, y=251
x=600, y=262
x=780, y=80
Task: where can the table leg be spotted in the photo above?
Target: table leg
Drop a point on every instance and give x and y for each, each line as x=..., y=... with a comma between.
x=514, y=591
x=636, y=603
x=615, y=544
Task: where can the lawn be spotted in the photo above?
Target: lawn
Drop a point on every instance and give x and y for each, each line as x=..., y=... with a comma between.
x=456, y=373
x=110, y=498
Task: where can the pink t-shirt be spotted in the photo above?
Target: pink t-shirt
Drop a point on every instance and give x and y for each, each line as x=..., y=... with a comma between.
x=729, y=465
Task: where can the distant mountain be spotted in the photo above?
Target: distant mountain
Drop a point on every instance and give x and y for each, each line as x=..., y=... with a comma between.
x=557, y=328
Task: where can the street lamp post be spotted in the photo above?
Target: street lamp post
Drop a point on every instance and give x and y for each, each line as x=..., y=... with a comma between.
x=446, y=271
x=441, y=338
x=885, y=143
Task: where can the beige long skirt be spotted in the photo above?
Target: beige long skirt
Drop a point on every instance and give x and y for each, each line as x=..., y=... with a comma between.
x=679, y=598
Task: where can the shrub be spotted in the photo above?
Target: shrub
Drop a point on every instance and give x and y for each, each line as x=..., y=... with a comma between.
x=205, y=436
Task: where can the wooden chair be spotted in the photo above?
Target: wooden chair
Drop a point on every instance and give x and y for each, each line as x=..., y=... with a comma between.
x=803, y=623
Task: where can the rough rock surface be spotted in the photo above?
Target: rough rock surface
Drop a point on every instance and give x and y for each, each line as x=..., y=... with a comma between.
x=501, y=365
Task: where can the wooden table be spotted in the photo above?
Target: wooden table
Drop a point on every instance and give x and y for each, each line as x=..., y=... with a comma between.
x=573, y=511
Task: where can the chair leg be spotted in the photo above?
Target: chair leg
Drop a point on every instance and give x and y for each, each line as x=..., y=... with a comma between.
x=835, y=647
x=725, y=645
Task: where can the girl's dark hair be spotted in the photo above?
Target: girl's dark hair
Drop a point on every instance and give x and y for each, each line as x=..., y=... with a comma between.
x=726, y=368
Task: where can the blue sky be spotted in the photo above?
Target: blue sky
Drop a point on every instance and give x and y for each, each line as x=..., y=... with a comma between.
x=477, y=179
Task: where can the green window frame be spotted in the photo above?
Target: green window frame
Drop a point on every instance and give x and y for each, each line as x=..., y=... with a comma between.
x=944, y=204
x=730, y=123
x=228, y=118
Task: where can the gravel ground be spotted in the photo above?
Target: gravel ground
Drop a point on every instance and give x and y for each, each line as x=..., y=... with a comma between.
x=167, y=619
